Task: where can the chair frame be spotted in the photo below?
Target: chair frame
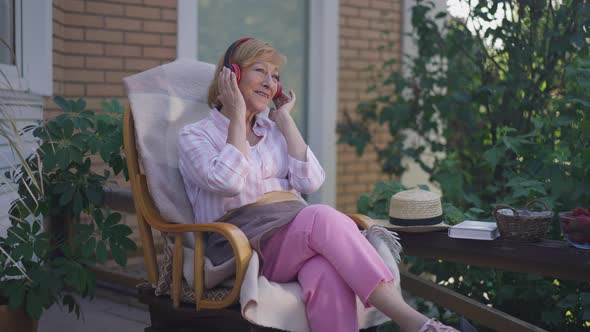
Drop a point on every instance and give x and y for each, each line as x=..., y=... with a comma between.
x=149, y=218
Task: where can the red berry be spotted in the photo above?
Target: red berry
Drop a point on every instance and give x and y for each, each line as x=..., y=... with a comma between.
x=578, y=211
x=583, y=223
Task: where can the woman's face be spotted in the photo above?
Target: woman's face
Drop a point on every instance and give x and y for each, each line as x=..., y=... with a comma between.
x=258, y=84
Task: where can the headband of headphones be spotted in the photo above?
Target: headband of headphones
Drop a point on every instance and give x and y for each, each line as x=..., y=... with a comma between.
x=227, y=59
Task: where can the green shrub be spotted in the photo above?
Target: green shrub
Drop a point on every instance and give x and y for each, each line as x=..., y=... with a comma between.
x=497, y=115
x=48, y=250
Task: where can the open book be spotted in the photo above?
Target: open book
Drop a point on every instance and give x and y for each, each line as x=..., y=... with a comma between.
x=475, y=230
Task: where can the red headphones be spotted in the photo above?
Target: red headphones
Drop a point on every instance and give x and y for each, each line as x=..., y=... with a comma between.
x=236, y=68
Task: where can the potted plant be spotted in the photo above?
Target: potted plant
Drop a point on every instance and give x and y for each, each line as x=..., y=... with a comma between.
x=59, y=227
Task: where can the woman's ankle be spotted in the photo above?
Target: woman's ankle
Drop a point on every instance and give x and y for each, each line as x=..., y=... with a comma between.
x=432, y=325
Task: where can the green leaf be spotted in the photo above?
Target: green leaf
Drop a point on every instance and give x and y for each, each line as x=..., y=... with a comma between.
x=66, y=197
x=27, y=248
x=79, y=140
x=63, y=158
x=89, y=247
x=79, y=105
x=36, y=227
x=54, y=129
x=106, y=106
x=101, y=251
x=16, y=294
x=112, y=219
x=87, y=114
x=127, y=243
x=121, y=230
x=116, y=163
x=33, y=305
x=62, y=103
x=440, y=15
x=95, y=195
x=119, y=255
x=363, y=203
x=68, y=128
x=493, y=156
x=40, y=247
x=49, y=157
x=98, y=216
x=452, y=214
x=13, y=271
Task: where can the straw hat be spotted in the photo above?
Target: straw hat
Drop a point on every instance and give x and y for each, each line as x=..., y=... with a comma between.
x=415, y=210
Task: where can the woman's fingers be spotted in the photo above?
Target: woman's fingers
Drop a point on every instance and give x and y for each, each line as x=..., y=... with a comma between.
x=227, y=89
x=233, y=80
x=221, y=82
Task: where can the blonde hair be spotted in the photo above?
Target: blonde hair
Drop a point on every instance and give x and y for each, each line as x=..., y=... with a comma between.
x=244, y=55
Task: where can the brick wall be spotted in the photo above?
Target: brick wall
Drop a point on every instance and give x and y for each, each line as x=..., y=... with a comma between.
x=97, y=43
x=361, y=25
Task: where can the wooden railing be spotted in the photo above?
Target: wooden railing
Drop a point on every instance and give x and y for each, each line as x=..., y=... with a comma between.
x=549, y=258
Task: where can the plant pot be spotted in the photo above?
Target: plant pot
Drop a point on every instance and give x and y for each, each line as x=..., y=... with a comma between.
x=16, y=320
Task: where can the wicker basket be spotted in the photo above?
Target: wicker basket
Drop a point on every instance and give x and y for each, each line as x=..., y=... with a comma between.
x=525, y=224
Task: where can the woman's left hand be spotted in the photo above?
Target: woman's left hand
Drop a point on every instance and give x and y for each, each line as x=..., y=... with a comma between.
x=284, y=104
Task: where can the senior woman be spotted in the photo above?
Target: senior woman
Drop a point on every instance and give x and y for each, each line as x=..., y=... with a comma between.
x=242, y=167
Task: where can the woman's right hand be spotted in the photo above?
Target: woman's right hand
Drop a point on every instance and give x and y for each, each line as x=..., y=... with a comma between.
x=230, y=95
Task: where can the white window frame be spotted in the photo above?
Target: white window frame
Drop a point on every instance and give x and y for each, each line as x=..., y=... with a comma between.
x=322, y=81
x=33, y=71
x=12, y=79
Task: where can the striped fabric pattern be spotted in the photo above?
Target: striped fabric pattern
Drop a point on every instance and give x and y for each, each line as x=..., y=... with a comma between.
x=218, y=177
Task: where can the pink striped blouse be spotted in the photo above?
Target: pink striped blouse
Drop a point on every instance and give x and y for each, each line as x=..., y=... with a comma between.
x=217, y=177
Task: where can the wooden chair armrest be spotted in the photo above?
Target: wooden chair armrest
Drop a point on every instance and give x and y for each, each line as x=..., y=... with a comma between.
x=242, y=251
x=361, y=220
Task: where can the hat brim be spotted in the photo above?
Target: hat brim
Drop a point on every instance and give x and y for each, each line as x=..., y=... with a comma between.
x=412, y=229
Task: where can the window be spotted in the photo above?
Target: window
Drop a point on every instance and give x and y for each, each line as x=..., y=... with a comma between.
x=259, y=19
x=306, y=31
x=9, y=50
x=26, y=61
x=7, y=32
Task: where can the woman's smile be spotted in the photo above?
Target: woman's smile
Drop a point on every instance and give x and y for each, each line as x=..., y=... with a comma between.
x=258, y=84
x=263, y=94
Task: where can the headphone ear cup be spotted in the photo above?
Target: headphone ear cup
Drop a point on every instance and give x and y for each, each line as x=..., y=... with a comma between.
x=279, y=90
x=236, y=69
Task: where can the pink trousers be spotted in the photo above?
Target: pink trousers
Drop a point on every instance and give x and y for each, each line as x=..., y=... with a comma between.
x=332, y=261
